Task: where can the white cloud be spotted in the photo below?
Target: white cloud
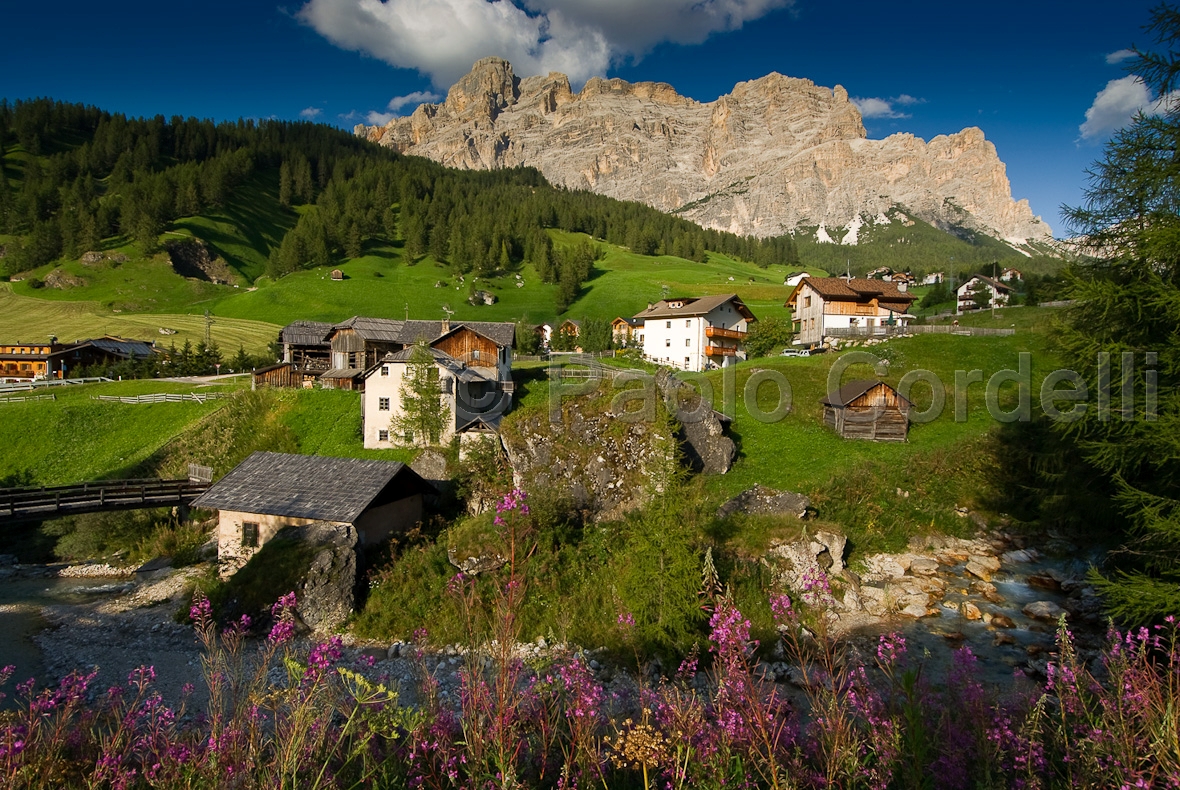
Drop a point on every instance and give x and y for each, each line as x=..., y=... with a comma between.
x=1120, y=56
x=396, y=104
x=883, y=108
x=310, y=113
x=582, y=38
x=907, y=100
x=1117, y=103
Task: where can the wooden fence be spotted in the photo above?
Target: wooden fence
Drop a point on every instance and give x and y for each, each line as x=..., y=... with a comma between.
x=27, y=386
x=918, y=329
x=161, y=397
x=30, y=504
x=25, y=398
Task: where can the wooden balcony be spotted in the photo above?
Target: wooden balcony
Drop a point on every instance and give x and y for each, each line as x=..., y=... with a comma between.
x=731, y=334
x=720, y=351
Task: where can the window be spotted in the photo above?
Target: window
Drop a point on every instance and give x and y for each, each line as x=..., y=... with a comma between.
x=667, y=342
x=686, y=362
x=688, y=322
x=475, y=354
x=383, y=436
x=669, y=325
x=383, y=404
x=249, y=535
x=385, y=370
x=807, y=301
x=688, y=341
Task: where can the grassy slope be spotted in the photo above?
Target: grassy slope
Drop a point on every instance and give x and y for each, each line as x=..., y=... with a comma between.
x=27, y=318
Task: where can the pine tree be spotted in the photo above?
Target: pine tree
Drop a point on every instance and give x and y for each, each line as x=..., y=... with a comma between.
x=422, y=419
x=1128, y=303
x=286, y=188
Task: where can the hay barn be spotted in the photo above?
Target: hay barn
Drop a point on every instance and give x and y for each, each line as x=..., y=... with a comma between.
x=866, y=409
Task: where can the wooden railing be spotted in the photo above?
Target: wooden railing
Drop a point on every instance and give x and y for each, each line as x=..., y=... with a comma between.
x=30, y=504
x=161, y=397
x=720, y=351
x=731, y=334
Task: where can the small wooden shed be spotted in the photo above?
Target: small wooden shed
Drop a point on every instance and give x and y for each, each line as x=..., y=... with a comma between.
x=866, y=409
x=337, y=274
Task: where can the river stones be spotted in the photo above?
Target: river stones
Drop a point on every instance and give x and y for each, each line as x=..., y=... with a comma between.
x=1043, y=610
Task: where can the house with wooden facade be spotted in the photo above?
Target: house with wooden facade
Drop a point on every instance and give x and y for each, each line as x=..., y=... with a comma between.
x=866, y=409
x=995, y=294
x=54, y=360
x=823, y=307
x=627, y=332
x=696, y=333
x=270, y=491
x=473, y=364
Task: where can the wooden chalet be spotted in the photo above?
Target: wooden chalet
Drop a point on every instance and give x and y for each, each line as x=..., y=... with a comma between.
x=866, y=409
x=627, y=331
x=305, y=345
x=54, y=360
x=270, y=491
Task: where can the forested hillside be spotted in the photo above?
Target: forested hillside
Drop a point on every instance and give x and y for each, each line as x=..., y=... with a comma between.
x=75, y=175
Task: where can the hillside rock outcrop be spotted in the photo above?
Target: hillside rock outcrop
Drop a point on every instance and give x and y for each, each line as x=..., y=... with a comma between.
x=774, y=154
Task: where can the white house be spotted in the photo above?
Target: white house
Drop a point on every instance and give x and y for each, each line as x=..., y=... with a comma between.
x=473, y=363
x=696, y=333
x=933, y=279
x=795, y=279
x=833, y=306
x=1008, y=275
x=997, y=293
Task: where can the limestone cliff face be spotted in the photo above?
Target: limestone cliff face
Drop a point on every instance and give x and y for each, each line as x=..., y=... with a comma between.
x=774, y=154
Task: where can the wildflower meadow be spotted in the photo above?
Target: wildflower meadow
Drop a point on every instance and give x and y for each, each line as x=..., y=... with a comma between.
x=282, y=713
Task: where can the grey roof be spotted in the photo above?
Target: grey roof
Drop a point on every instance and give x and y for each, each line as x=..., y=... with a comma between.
x=693, y=306
x=120, y=347
x=853, y=390
x=385, y=330
x=307, y=486
x=461, y=371
x=502, y=333
x=341, y=373
x=305, y=333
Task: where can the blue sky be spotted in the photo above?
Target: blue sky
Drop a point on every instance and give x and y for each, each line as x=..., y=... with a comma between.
x=1027, y=73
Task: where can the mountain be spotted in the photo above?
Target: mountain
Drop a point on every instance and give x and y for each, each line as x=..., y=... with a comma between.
x=775, y=154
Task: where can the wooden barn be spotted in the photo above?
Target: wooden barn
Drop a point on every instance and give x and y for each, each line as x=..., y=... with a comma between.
x=285, y=374
x=866, y=409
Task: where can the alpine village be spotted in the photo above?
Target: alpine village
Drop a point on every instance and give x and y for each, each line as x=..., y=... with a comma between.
x=542, y=437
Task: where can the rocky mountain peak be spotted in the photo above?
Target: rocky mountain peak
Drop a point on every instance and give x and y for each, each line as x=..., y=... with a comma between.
x=774, y=154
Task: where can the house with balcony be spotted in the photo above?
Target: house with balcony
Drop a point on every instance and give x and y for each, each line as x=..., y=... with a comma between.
x=981, y=292
x=627, y=332
x=823, y=307
x=696, y=333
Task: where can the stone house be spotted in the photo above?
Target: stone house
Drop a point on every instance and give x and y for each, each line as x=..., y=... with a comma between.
x=270, y=491
x=837, y=307
x=696, y=333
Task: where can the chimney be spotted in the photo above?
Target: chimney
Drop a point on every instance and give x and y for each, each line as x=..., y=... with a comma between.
x=902, y=286
x=650, y=305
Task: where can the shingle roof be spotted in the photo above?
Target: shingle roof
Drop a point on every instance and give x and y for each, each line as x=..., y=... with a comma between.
x=305, y=333
x=383, y=330
x=851, y=391
x=120, y=347
x=502, y=333
x=693, y=306
x=461, y=371
x=857, y=289
x=306, y=486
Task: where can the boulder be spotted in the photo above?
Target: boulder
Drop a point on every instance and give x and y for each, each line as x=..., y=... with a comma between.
x=1043, y=610
x=763, y=501
x=923, y=566
x=1002, y=621
x=328, y=592
x=473, y=566
x=702, y=429
x=979, y=571
x=971, y=611
x=480, y=296
x=1019, y=556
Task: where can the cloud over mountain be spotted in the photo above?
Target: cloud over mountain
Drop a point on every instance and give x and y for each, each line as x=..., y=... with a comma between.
x=1117, y=103
x=581, y=38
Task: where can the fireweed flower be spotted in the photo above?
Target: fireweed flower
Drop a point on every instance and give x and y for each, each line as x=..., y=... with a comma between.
x=780, y=607
x=283, y=613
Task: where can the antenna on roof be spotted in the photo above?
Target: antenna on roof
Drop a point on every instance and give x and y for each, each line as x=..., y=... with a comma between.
x=847, y=270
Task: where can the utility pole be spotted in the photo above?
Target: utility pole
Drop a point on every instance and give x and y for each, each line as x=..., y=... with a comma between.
x=208, y=328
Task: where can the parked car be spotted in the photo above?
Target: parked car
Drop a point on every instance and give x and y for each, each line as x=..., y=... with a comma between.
x=796, y=352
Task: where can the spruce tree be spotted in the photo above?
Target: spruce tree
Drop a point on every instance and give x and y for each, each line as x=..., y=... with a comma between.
x=1128, y=303
x=422, y=419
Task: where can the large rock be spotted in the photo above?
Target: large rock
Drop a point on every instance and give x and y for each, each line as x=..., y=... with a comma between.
x=1043, y=610
x=763, y=501
x=774, y=154
x=328, y=592
x=702, y=432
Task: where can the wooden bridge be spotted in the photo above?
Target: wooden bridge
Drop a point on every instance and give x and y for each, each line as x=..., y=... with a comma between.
x=36, y=504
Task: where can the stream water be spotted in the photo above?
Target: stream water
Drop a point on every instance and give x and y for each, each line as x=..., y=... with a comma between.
x=21, y=600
